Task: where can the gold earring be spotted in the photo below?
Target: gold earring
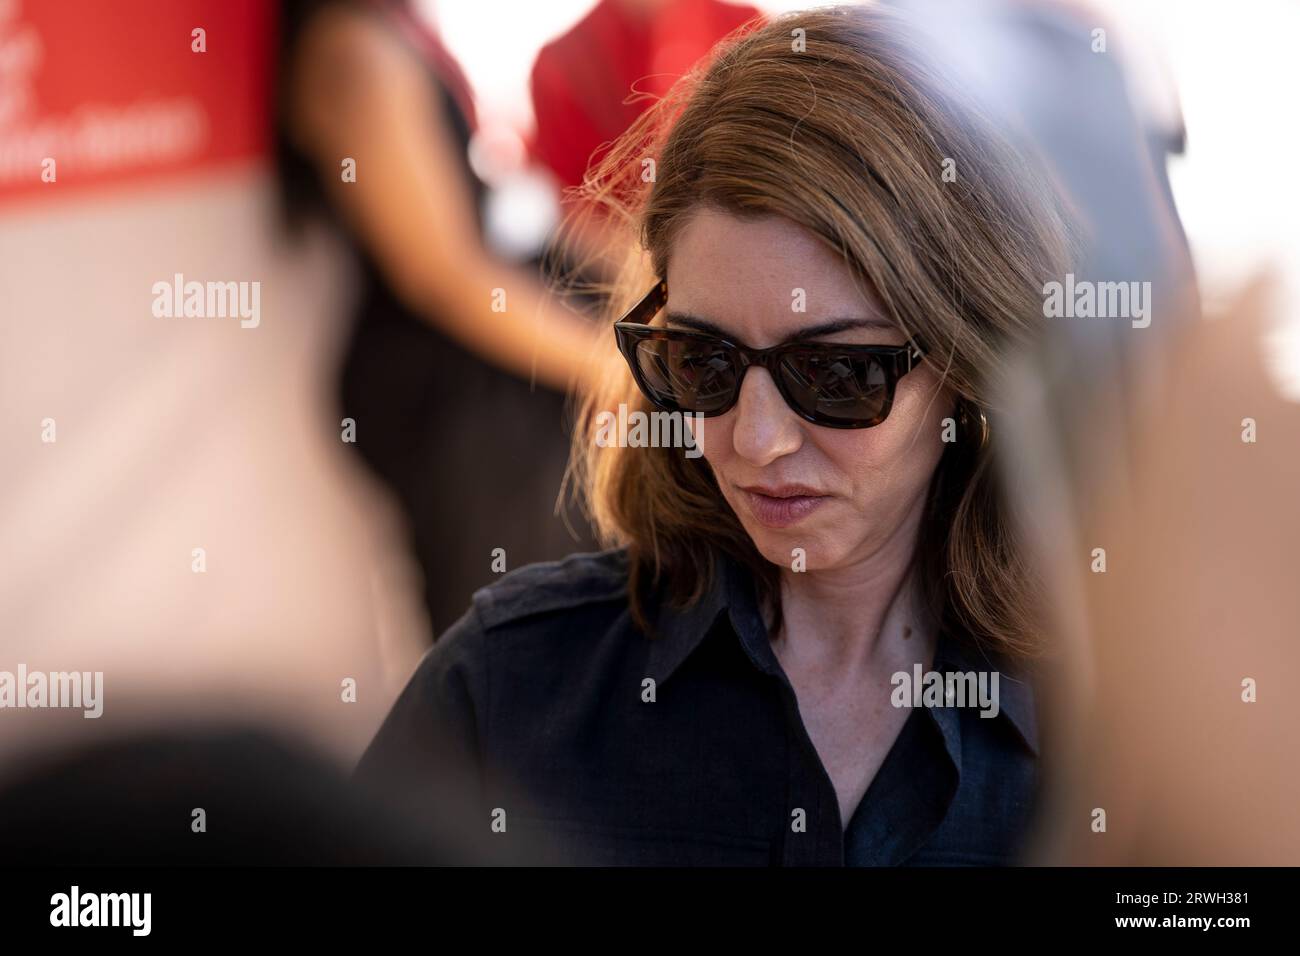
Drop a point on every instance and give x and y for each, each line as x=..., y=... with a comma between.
x=968, y=420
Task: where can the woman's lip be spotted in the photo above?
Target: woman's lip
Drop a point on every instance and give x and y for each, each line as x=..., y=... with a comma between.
x=783, y=510
x=784, y=491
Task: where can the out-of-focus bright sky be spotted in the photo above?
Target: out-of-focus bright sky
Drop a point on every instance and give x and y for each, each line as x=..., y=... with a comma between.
x=1235, y=67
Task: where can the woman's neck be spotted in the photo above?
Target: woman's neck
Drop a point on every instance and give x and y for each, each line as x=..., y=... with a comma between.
x=858, y=618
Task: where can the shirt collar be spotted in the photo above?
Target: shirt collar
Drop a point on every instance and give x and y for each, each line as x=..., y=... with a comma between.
x=681, y=630
x=1015, y=691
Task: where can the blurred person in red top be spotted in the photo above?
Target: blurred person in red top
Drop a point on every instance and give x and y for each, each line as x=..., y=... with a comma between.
x=589, y=84
x=582, y=81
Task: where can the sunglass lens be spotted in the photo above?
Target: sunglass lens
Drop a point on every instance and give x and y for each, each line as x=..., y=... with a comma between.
x=686, y=374
x=837, y=387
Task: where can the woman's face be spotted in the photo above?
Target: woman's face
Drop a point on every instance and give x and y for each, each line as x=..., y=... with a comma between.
x=842, y=495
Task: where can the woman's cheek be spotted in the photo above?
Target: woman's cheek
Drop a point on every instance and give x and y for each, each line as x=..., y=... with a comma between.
x=713, y=438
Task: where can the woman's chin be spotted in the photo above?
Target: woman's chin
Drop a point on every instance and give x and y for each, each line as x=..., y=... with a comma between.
x=792, y=548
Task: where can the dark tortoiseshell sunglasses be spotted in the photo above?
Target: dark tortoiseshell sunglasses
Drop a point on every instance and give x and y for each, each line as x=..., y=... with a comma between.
x=681, y=370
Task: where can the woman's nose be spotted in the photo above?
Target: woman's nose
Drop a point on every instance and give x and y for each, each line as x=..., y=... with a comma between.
x=764, y=427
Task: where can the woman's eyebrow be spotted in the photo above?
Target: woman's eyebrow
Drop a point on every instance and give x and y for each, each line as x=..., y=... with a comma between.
x=811, y=332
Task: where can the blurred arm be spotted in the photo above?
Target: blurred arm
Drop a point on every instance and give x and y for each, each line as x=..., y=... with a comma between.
x=357, y=91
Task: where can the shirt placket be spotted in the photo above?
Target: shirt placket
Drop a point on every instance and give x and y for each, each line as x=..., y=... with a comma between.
x=819, y=838
x=821, y=843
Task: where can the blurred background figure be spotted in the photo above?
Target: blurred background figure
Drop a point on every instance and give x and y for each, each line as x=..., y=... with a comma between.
x=177, y=510
x=588, y=85
x=585, y=84
x=457, y=361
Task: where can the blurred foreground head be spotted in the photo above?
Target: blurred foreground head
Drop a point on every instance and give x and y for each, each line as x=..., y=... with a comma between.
x=1177, y=610
x=231, y=794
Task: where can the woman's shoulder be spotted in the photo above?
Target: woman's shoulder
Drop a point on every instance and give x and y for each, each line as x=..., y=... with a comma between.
x=551, y=588
x=542, y=618
x=531, y=615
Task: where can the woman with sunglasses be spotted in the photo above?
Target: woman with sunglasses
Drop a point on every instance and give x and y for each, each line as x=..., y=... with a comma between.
x=840, y=256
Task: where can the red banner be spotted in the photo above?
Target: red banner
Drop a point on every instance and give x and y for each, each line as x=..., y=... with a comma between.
x=95, y=92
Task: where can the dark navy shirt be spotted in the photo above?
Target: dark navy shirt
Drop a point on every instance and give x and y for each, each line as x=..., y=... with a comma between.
x=541, y=686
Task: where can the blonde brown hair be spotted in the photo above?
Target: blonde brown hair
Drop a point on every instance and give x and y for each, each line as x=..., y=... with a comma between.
x=848, y=137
